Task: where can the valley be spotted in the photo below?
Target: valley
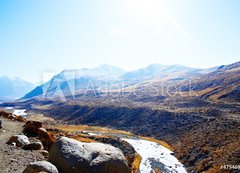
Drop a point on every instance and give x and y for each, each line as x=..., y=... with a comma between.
x=198, y=135
x=195, y=111
x=144, y=162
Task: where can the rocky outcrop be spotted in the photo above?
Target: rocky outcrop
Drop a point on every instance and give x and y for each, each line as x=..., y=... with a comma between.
x=12, y=117
x=19, y=140
x=40, y=166
x=72, y=156
x=4, y=114
x=34, y=128
x=31, y=127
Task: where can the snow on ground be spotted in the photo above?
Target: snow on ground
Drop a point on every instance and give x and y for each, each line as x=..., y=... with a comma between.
x=93, y=134
x=155, y=155
x=8, y=108
x=20, y=112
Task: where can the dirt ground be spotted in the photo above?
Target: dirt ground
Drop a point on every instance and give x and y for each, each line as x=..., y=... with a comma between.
x=14, y=159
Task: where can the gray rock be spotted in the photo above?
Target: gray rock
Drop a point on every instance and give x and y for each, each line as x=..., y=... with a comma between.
x=34, y=146
x=40, y=166
x=72, y=156
x=20, y=140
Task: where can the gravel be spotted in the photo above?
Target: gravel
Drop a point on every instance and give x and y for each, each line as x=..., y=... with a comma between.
x=14, y=159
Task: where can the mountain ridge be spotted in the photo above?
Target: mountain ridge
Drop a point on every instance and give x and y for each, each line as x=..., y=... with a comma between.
x=99, y=76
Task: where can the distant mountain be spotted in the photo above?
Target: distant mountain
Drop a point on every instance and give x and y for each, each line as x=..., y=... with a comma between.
x=15, y=88
x=164, y=73
x=101, y=72
x=158, y=71
x=75, y=80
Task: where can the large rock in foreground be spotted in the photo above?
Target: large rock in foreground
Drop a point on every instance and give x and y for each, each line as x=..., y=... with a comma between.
x=72, y=156
x=40, y=166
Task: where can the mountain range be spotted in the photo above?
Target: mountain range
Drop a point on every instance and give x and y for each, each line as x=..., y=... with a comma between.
x=219, y=82
x=14, y=88
x=214, y=83
x=74, y=82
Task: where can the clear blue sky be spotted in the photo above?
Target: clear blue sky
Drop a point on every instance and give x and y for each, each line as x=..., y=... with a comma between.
x=52, y=35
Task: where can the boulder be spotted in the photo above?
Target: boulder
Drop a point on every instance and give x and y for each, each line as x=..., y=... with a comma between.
x=34, y=146
x=31, y=127
x=4, y=114
x=19, y=140
x=34, y=128
x=45, y=137
x=0, y=124
x=34, y=124
x=43, y=133
x=40, y=166
x=72, y=156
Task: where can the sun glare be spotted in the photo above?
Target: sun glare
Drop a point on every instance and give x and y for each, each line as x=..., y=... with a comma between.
x=149, y=9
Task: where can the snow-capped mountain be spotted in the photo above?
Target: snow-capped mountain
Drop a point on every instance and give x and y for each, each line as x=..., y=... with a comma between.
x=13, y=88
x=77, y=80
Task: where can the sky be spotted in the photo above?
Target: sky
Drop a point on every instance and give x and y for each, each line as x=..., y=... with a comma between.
x=44, y=36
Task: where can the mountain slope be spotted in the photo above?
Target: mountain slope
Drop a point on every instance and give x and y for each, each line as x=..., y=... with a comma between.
x=165, y=72
x=222, y=84
x=157, y=71
x=68, y=82
x=74, y=82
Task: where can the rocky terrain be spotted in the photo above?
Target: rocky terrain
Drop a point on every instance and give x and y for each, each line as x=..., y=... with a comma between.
x=197, y=135
x=41, y=144
x=203, y=134
x=14, y=159
x=201, y=121
x=30, y=148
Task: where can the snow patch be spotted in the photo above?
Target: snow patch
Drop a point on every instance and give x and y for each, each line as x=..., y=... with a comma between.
x=20, y=112
x=155, y=155
x=8, y=108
